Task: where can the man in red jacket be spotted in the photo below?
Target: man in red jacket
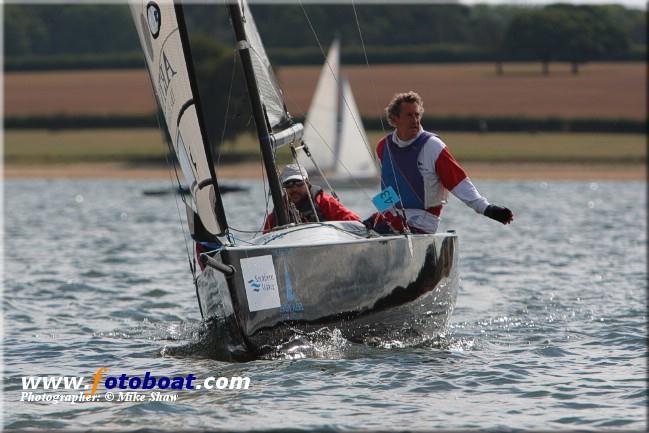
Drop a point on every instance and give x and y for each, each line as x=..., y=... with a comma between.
x=321, y=206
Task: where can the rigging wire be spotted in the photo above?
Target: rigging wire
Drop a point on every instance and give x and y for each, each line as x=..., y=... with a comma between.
x=244, y=231
x=266, y=192
x=191, y=260
x=346, y=103
x=315, y=212
x=315, y=35
x=190, y=257
x=367, y=64
x=305, y=149
x=324, y=177
x=402, y=216
x=226, y=117
x=227, y=106
x=365, y=141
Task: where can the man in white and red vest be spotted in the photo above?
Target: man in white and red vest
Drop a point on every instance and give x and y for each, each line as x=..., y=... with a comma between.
x=418, y=166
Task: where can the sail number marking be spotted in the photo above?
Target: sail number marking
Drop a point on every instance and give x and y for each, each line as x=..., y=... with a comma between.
x=165, y=73
x=385, y=199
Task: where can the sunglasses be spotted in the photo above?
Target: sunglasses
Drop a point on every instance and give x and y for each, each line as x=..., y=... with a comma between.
x=292, y=183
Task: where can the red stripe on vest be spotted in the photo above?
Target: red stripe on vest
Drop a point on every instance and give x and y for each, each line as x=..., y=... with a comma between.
x=435, y=210
x=379, y=149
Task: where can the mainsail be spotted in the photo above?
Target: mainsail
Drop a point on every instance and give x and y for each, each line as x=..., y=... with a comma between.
x=163, y=37
x=334, y=130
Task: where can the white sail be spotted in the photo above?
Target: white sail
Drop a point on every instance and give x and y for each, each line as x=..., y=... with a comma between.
x=321, y=129
x=269, y=91
x=334, y=130
x=354, y=159
x=158, y=29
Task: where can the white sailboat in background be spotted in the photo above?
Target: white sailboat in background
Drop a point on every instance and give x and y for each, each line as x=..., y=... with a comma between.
x=334, y=130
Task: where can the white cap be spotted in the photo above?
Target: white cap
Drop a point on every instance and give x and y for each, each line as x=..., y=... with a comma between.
x=292, y=171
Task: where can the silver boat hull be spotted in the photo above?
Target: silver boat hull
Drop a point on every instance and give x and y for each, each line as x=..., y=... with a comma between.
x=371, y=289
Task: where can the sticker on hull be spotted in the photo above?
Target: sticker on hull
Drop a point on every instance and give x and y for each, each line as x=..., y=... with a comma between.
x=260, y=281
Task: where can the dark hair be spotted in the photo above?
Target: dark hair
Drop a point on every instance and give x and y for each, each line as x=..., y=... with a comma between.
x=394, y=107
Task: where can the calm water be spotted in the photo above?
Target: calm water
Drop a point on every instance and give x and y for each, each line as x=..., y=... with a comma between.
x=549, y=330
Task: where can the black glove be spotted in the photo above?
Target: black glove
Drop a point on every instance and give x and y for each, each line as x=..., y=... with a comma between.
x=500, y=214
x=369, y=222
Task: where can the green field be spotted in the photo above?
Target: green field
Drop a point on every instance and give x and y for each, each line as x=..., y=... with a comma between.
x=547, y=147
x=146, y=145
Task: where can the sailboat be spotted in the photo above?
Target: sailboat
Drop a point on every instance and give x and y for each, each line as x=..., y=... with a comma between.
x=334, y=130
x=298, y=278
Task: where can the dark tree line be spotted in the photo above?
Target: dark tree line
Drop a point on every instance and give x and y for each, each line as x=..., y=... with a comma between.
x=394, y=32
x=42, y=29
x=564, y=32
x=33, y=29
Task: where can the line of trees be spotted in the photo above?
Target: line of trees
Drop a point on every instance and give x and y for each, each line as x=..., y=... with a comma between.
x=564, y=32
x=53, y=36
x=297, y=33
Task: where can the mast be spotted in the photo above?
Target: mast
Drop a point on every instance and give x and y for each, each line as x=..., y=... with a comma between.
x=258, y=113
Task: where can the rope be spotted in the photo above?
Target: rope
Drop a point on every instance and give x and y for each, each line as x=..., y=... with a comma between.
x=227, y=107
x=367, y=64
x=305, y=180
x=190, y=257
x=322, y=51
x=244, y=241
x=266, y=192
x=305, y=148
x=245, y=231
x=360, y=33
x=226, y=117
x=191, y=260
x=374, y=92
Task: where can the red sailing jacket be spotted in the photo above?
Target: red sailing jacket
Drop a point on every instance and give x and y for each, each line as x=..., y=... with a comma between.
x=328, y=208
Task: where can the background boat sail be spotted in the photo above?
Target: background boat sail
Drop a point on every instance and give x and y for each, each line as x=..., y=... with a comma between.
x=334, y=130
x=297, y=278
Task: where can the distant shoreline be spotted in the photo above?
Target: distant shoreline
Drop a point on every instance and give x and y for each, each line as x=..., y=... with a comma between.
x=504, y=171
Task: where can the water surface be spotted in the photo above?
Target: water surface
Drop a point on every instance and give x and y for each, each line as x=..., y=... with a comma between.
x=548, y=333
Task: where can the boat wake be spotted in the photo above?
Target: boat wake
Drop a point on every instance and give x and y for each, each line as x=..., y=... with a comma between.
x=192, y=339
x=324, y=343
x=328, y=343
x=216, y=340
x=211, y=339
x=157, y=331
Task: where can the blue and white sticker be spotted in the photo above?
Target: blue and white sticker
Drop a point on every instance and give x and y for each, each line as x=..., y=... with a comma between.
x=260, y=281
x=386, y=199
